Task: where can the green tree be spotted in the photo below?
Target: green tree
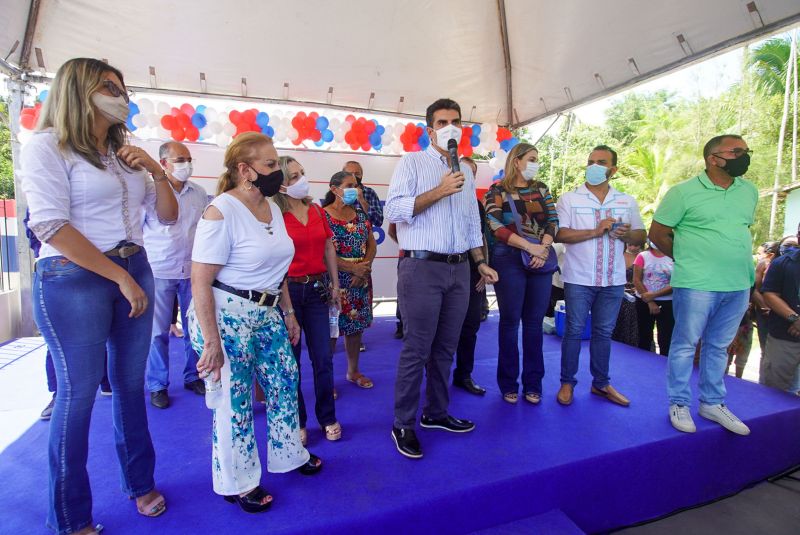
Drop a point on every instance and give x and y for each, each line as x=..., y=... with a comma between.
x=6, y=165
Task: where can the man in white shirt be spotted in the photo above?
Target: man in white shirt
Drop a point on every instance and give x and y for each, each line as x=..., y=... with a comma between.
x=169, y=249
x=438, y=226
x=596, y=222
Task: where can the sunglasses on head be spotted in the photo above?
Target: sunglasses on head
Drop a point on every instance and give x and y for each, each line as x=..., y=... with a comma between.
x=115, y=90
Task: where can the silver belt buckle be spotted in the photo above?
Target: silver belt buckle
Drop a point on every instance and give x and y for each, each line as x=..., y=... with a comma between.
x=453, y=258
x=128, y=250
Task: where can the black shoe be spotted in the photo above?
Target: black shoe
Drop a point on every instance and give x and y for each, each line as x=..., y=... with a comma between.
x=105, y=388
x=398, y=334
x=469, y=385
x=484, y=315
x=159, y=399
x=251, y=502
x=362, y=347
x=448, y=423
x=407, y=443
x=197, y=386
x=48, y=411
x=313, y=466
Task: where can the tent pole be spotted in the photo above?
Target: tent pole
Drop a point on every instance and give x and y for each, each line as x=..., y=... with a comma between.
x=794, y=110
x=781, y=138
x=30, y=31
x=16, y=90
x=501, y=15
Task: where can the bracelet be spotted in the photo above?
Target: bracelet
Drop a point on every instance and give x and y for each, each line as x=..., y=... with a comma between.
x=161, y=178
x=288, y=312
x=480, y=262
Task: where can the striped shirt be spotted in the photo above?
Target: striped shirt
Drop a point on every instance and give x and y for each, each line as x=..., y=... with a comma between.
x=449, y=226
x=535, y=206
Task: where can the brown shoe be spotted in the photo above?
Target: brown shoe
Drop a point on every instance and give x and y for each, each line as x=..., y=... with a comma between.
x=612, y=395
x=564, y=395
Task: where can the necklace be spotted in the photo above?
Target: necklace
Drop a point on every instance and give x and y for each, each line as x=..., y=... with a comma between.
x=268, y=228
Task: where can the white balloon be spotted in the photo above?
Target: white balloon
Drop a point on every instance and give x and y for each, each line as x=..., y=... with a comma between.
x=215, y=126
x=146, y=106
x=501, y=160
x=334, y=124
x=338, y=136
x=211, y=115
x=153, y=120
x=162, y=108
x=139, y=120
x=397, y=147
x=399, y=128
x=280, y=137
x=292, y=134
x=163, y=133
x=228, y=129
x=222, y=140
x=207, y=132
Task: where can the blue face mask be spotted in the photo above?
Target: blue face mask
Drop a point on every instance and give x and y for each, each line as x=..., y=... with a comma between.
x=596, y=174
x=349, y=195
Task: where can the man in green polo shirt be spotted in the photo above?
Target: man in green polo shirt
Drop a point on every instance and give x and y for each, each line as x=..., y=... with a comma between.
x=704, y=224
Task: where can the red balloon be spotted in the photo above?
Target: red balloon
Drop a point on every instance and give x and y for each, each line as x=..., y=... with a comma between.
x=366, y=146
x=175, y=111
x=349, y=137
x=350, y=119
x=369, y=127
x=28, y=111
x=410, y=127
x=169, y=122
x=415, y=147
x=192, y=133
x=316, y=135
x=301, y=114
x=235, y=116
x=466, y=132
x=27, y=121
x=188, y=109
x=249, y=116
x=178, y=134
x=313, y=115
x=183, y=120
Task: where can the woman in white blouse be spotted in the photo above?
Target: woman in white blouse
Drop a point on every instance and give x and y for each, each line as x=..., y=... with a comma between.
x=240, y=259
x=87, y=191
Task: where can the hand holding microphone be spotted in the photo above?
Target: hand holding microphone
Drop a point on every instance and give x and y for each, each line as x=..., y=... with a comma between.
x=452, y=182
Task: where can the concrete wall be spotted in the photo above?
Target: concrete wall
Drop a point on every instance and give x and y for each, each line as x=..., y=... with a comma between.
x=9, y=315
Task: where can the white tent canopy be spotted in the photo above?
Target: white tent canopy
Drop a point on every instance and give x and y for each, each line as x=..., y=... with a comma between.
x=505, y=61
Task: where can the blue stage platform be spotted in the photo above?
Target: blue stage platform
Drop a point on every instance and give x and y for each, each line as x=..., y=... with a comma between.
x=590, y=467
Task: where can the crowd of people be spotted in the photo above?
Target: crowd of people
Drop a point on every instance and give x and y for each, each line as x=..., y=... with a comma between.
x=125, y=236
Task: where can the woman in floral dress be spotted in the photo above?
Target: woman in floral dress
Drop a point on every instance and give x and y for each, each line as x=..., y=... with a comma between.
x=355, y=248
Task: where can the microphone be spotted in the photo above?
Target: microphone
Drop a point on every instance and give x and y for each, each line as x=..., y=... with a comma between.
x=452, y=148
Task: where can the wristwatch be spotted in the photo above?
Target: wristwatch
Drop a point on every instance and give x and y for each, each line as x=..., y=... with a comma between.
x=288, y=312
x=479, y=262
x=793, y=317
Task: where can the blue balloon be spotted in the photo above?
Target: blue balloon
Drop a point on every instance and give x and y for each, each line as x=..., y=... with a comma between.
x=133, y=109
x=268, y=130
x=476, y=130
x=201, y=109
x=327, y=136
x=379, y=146
x=424, y=141
x=199, y=120
x=130, y=125
x=319, y=143
x=43, y=95
x=380, y=130
x=512, y=142
x=474, y=141
x=322, y=123
x=262, y=119
x=374, y=139
x=505, y=145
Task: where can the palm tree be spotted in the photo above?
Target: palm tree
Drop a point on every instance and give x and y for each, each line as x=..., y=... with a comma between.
x=768, y=63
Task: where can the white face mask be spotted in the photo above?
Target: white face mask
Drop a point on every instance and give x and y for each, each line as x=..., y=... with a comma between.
x=298, y=190
x=182, y=171
x=446, y=133
x=115, y=109
x=530, y=170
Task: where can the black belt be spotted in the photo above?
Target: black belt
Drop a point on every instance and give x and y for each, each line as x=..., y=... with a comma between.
x=260, y=298
x=124, y=251
x=437, y=257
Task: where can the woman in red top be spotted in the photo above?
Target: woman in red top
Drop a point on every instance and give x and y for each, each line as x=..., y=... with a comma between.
x=313, y=286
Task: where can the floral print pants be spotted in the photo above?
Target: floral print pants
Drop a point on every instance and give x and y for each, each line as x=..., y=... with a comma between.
x=254, y=342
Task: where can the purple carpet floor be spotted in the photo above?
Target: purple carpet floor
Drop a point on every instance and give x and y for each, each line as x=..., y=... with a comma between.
x=589, y=467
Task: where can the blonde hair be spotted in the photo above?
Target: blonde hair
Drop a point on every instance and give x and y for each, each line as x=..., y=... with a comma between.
x=511, y=172
x=68, y=109
x=280, y=198
x=241, y=149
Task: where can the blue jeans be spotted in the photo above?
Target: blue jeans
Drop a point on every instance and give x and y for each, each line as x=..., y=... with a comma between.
x=604, y=303
x=158, y=359
x=312, y=315
x=714, y=318
x=81, y=315
x=522, y=296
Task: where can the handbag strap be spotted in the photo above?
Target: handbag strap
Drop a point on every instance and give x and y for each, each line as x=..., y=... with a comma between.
x=517, y=218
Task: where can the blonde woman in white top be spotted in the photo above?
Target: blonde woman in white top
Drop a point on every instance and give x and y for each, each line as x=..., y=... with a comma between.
x=242, y=323
x=87, y=192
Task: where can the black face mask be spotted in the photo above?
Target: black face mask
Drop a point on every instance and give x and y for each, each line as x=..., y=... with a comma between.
x=737, y=166
x=269, y=184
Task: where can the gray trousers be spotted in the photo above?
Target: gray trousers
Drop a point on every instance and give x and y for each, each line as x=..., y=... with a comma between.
x=433, y=299
x=783, y=358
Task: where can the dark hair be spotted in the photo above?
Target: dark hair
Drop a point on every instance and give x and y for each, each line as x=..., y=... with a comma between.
x=336, y=180
x=441, y=104
x=609, y=149
x=772, y=247
x=715, y=142
x=351, y=162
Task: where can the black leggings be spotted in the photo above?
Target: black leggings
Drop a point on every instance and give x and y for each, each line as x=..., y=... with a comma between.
x=664, y=320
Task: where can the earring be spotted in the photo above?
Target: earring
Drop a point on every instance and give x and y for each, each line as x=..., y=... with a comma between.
x=249, y=185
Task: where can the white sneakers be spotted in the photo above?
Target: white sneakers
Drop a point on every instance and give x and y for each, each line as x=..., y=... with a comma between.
x=681, y=419
x=724, y=417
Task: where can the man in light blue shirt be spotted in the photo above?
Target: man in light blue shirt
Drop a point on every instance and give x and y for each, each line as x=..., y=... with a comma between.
x=435, y=210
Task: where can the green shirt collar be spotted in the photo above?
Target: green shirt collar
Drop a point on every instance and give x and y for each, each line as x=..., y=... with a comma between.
x=706, y=182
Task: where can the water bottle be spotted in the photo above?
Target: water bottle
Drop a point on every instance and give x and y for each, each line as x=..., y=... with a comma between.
x=333, y=321
x=213, y=392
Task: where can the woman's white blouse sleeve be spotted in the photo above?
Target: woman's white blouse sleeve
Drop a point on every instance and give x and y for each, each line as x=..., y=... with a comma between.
x=212, y=242
x=45, y=181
